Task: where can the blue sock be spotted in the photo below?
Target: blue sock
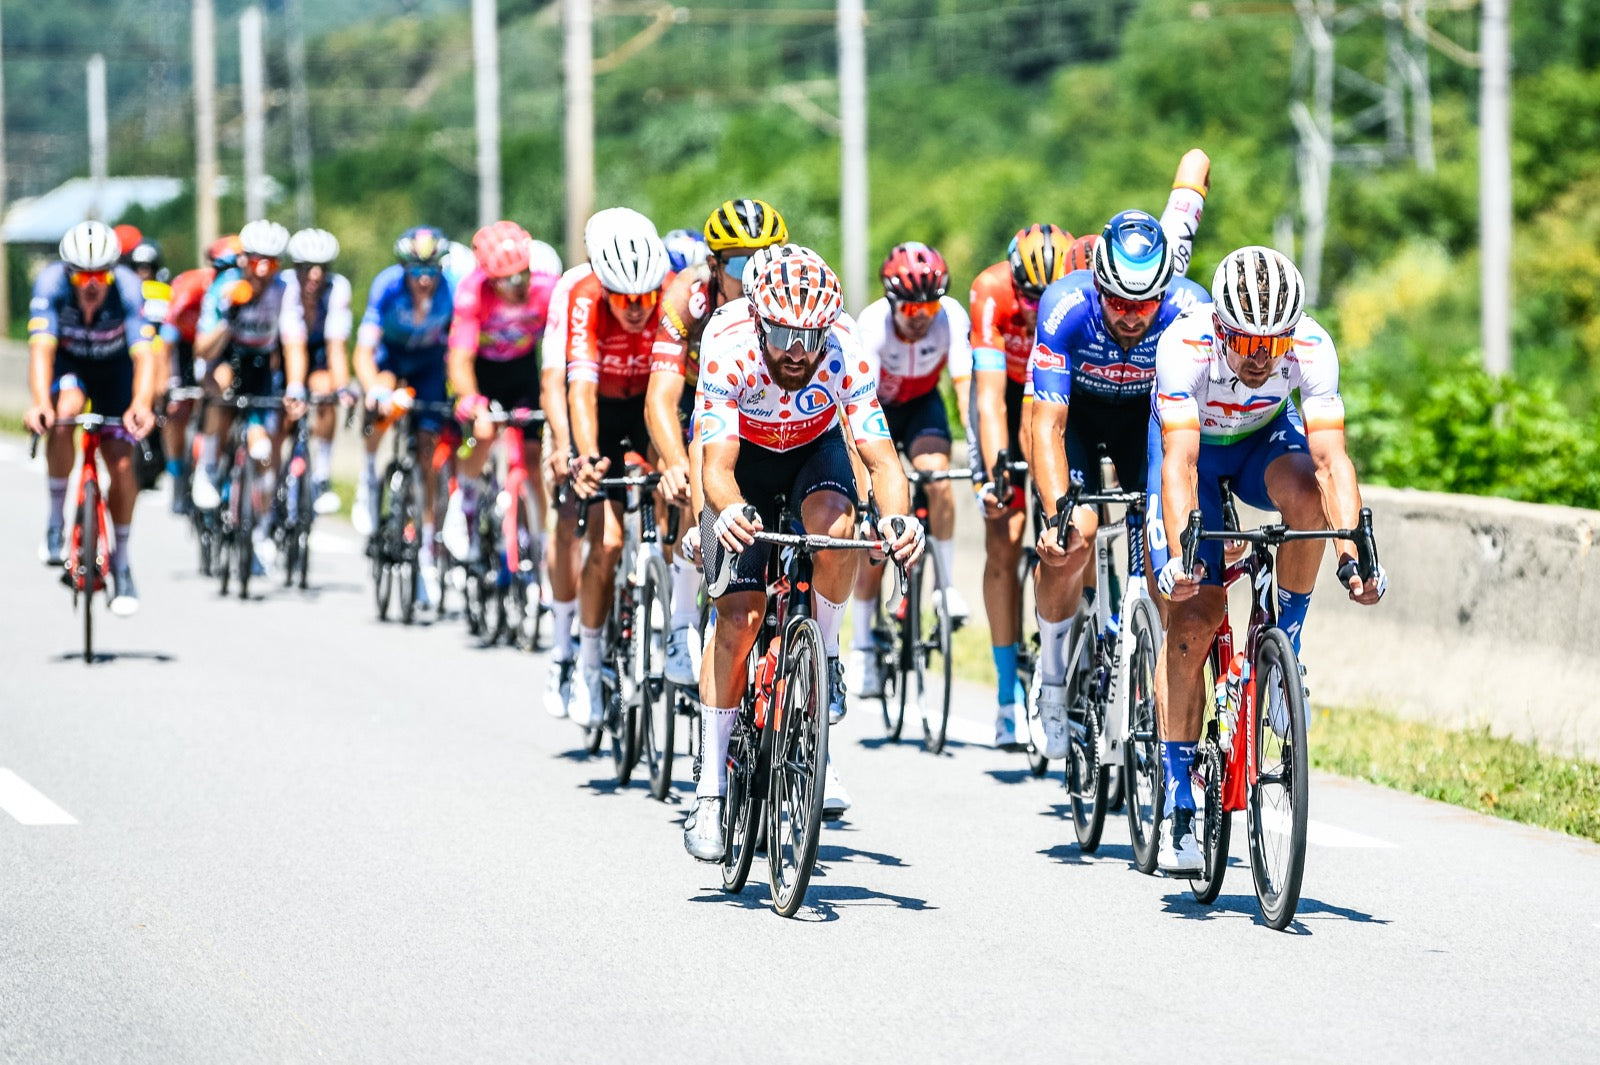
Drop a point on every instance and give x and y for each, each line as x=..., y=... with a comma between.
x=1176, y=758
x=1005, y=666
x=1292, y=614
x=174, y=467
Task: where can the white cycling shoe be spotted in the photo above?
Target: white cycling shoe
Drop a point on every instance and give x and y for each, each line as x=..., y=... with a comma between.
x=835, y=799
x=1005, y=729
x=558, y=687
x=360, y=511
x=862, y=675
x=953, y=602
x=1179, y=852
x=586, y=707
x=203, y=494
x=683, y=657
x=702, y=830
x=1049, y=720
x=453, y=533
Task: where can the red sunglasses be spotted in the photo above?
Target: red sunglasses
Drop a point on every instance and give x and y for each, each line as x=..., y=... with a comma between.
x=96, y=277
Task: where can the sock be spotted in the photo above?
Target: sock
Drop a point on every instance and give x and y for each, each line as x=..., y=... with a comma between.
x=830, y=618
x=685, y=595
x=1176, y=758
x=174, y=468
x=862, y=614
x=589, y=646
x=561, y=643
x=946, y=549
x=119, y=553
x=369, y=487
x=266, y=487
x=468, y=487
x=321, y=460
x=427, y=544
x=716, y=725
x=58, y=502
x=1005, y=665
x=208, y=455
x=369, y=468
x=1053, y=650
x=1292, y=608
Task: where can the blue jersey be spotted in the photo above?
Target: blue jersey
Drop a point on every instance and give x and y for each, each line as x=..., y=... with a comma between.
x=1075, y=353
x=403, y=344
x=117, y=328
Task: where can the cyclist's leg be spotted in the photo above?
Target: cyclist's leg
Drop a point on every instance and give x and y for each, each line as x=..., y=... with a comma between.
x=61, y=451
x=1002, y=594
x=178, y=412
x=928, y=443
x=1289, y=480
x=366, y=502
x=324, y=420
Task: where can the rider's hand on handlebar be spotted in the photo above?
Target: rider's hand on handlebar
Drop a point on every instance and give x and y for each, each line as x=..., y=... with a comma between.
x=674, y=486
x=378, y=400
x=1051, y=553
x=689, y=545
x=558, y=463
x=587, y=470
x=1366, y=592
x=905, y=535
x=138, y=420
x=294, y=401
x=40, y=419
x=989, y=499
x=1177, y=585
x=735, y=529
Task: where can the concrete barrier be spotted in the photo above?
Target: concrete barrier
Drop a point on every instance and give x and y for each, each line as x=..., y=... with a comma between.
x=1492, y=617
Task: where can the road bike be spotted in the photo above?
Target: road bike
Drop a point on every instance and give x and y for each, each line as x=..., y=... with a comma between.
x=292, y=508
x=205, y=524
x=1007, y=476
x=395, y=547
x=778, y=752
x=659, y=728
x=1253, y=752
x=504, y=578
x=243, y=499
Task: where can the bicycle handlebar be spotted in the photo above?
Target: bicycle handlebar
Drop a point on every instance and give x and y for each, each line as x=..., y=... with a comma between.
x=934, y=476
x=1277, y=534
x=646, y=481
x=91, y=423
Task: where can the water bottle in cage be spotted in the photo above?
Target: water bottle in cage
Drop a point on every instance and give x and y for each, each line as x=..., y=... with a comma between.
x=1228, y=693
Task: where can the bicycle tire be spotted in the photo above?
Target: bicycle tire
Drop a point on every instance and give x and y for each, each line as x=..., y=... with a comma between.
x=896, y=687
x=1278, y=890
x=1141, y=753
x=1085, y=778
x=1027, y=662
x=1114, y=790
x=659, y=699
x=88, y=561
x=798, y=763
x=406, y=534
x=622, y=725
x=936, y=661
x=1213, y=825
x=744, y=804
x=244, y=551
x=302, y=529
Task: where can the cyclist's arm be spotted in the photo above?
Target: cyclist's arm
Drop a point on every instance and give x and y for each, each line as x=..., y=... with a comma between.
x=960, y=358
x=1336, y=480
x=661, y=400
x=583, y=416
x=41, y=367
x=336, y=331
x=553, y=398
x=1180, y=480
x=721, y=487
x=338, y=362
x=1181, y=218
x=463, y=367
x=465, y=328
x=295, y=362
x=889, y=484
x=991, y=413
x=1049, y=466
x=364, y=360
x=212, y=331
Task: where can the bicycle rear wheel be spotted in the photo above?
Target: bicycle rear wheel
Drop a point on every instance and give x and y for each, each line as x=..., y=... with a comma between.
x=658, y=700
x=621, y=723
x=743, y=807
x=403, y=537
x=1213, y=824
x=1277, y=797
x=934, y=667
x=1085, y=778
x=1027, y=662
x=88, y=573
x=894, y=645
x=1141, y=753
x=244, y=545
x=799, y=760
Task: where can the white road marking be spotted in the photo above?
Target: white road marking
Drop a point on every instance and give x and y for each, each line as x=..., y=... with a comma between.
x=334, y=544
x=969, y=732
x=27, y=804
x=1324, y=835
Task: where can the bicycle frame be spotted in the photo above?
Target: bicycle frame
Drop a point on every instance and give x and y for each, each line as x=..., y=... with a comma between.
x=516, y=483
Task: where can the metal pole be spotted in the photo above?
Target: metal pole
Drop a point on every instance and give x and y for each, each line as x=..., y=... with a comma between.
x=853, y=151
x=5, y=256
x=203, y=43
x=1494, y=187
x=255, y=115
x=97, y=133
x=486, y=85
x=305, y=205
x=1421, y=93
x=578, y=63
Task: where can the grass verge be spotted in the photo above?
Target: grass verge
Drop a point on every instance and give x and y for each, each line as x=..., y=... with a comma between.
x=1473, y=769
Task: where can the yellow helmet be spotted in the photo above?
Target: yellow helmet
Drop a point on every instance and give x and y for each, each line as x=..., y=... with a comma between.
x=1038, y=256
x=748, y=224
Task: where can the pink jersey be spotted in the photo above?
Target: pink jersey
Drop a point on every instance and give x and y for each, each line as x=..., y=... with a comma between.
x=497, y=330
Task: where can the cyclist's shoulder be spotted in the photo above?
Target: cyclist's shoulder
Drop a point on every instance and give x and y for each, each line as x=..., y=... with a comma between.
x=993, y=282
x=1183, y=294
x=1066, y=306
x=388, y=284
x=955, y=313
x=53, y=282
x=1313, y=346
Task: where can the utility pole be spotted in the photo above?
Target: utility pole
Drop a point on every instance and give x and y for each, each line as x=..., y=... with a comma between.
x=255, y=114
x=203, y=43
x=578, y=64
x=305, y=204
x=486, y=86
x=1314, y=156
x=1494, y=186
x=1416, y=69
x=97, y=133
x=853, y=151
x=5, y=266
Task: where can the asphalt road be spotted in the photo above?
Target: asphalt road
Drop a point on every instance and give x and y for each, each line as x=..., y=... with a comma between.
x=281, y=831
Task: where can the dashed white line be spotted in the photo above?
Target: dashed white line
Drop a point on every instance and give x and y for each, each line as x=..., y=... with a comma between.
x=28, y=804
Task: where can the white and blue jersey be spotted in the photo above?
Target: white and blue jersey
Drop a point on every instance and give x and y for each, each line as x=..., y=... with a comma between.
x=404, y=345
x=1074, y=353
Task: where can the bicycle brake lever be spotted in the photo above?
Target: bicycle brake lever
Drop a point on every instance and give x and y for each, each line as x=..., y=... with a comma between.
x=1190, y=539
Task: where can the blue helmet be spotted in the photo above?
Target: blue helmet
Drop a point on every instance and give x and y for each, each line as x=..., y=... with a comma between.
x=422, y=246
x=1132, y=259
x=685, y=247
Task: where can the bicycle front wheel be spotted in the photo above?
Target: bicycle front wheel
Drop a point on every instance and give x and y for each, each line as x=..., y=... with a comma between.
x=743, y=807
x=933, y=665
x=1141, y=750
x=799, y=761
x=1085, y=777
x=1213, y=824
x=404, y=532
x=89, y=549
x=1027, y=662
x=244, y=528
x=658, y=699
x=1277, y=797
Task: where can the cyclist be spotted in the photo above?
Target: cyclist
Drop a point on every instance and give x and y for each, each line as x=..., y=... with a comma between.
x=685, y=248
x=912, y=333
x=177, y=336
x=500, y=312
x=1224, y=382
x=785, y=377
x=733, y=232
x=88, y=343
x=403, y=339
x=611, y=316
x=1096, y=350
x=317, y=302
x=243, y=323
x=1005, y=304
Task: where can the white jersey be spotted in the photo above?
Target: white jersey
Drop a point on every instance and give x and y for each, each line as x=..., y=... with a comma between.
x=555, y=326
x=737, y=399
x=336, y=325
x=1195, y=389
x=1179, y=222
x=909, y=369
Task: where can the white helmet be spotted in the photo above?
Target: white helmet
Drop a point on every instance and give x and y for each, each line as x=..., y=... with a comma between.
x=264, y=238
x=315, y=247
x=543, y=259
x=760, y=258
x=625, y=251
x=90, y=246
x=1258, y=291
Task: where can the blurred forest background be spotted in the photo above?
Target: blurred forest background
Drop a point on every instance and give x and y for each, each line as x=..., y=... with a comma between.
x=983, y=117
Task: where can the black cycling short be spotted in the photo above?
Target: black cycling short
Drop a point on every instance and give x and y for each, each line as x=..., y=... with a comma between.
x=1121, y=427
x=106, y=383
x=184, y=365
x=923, y=416
x=820, y=466
x=513, y=383
x=252, y=372
x=620, y=428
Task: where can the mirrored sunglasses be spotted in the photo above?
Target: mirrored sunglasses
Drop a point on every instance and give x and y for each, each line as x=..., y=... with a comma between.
x=784, y=337
x=1137, y=308
x=420, y=270
x=918, y=308
x=94, y=277
x=621, y=303
x=734, y=265
x=516, y=280
x=1250, y=346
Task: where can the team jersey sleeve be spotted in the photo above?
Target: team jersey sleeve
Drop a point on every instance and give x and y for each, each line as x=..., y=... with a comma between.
x=1180, y=221
x=960, y=361
x=1050, y=362
x=583, y=335
x=1321, y=406
x=291, y=312
x=340, y=319
x=134, y=327
x=48, y=291
x=670, y=352
x=212, y=303
x=718, y=393
x=857, y=394
x=466, y=321
x=371, y=331
x=155, y=300
x=1182, y=362
x=988, y=345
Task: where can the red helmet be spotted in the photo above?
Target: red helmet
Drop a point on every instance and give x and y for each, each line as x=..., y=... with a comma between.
x=223, y=253
x=914, y=273
x=128, y=237
x=501, y=249
x=1080, y=255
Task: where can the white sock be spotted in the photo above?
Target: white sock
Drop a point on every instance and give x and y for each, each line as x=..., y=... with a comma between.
x=119, y=553
x=427, y=544
x=589, y=646
x=830, y=618
x=716, y=726
x=561, y=643
x=1053, y=650
x=369, y=487
x=58, y=501
x=685, y=594
x=266, y=486
x=862, y=613
x=321, y=459
x=208, y=455
x=369, y=468
x=946, y=550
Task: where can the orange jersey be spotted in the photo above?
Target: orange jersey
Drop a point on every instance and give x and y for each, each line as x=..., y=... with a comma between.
x=188, y=291
x=1000, y=329
x=686, y=306
x=597, y=348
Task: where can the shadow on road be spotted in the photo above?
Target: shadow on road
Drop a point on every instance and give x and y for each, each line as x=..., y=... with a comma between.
x=1015, y=776
x=112, y=656
x=1072, y=854
x=823, y=902
x=828, y=852
x=1184, y=905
